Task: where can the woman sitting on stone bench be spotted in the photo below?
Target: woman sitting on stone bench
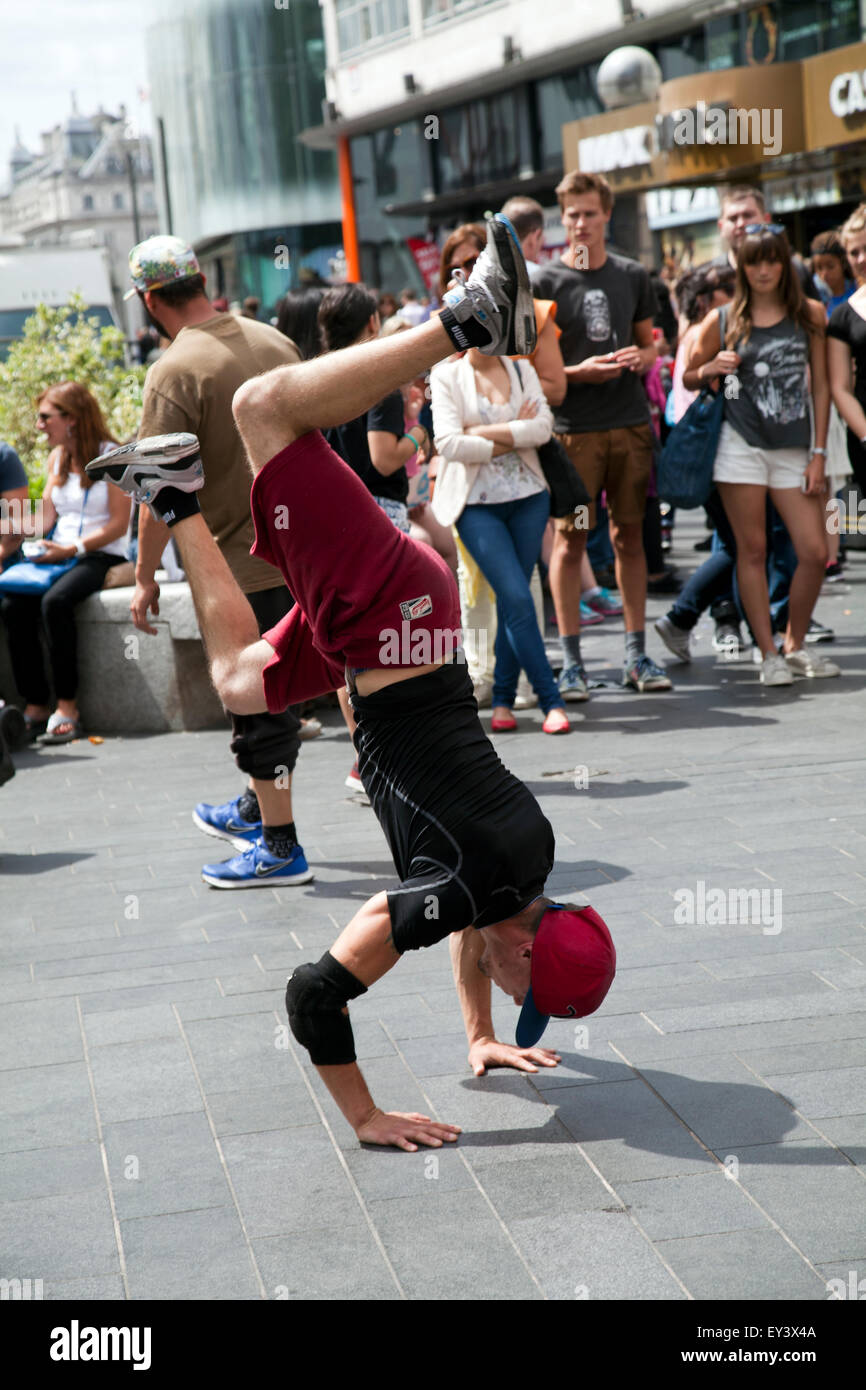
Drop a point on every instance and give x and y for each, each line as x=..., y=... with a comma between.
x=90, y=522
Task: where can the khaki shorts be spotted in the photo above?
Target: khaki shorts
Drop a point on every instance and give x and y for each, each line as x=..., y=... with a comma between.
x=618, y=461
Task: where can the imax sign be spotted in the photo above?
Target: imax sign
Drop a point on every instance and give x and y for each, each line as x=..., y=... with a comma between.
x=618, y=149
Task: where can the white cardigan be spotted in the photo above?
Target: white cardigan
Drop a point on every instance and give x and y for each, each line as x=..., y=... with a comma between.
x=454, y=400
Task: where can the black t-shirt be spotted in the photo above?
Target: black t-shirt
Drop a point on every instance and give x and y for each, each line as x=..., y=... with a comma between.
x=350, y=442
x=596, y=310
x=850, y=327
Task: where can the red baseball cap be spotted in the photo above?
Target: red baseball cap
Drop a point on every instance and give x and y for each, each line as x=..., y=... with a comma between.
x=572, y=969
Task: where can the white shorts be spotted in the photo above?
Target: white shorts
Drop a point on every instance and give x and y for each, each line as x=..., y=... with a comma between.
x=739, y=462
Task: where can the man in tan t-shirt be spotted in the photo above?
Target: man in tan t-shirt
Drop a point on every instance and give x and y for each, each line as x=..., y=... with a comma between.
x=190, y=389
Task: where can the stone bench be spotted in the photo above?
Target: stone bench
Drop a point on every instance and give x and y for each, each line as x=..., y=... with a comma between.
x=130, y=682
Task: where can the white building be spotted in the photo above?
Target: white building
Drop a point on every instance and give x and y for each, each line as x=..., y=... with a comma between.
x=448, y=107
x=91, y=184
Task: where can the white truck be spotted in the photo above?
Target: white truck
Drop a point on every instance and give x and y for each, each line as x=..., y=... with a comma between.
x=31, y=275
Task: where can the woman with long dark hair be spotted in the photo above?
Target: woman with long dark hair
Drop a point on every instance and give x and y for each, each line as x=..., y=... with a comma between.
x=298, y=319
x=90, y=521
x=771, y=349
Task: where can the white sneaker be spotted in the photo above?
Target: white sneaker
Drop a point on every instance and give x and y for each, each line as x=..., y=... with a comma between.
x=676, y=639
x=811, y=663
x=774, y=671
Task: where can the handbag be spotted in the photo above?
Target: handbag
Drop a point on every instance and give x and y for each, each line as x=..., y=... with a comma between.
x=26, y=577
x=685, y=471
x=567, y=491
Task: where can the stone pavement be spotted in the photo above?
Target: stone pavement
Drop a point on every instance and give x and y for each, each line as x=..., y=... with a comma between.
x=704, y=1137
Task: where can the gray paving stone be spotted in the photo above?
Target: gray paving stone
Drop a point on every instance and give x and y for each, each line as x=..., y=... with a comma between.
x=627, y=1131
x=708, y=1203
x=163, y=1165
x=558, y=1181
x=469, y=1255
x=325, y=1265
x=159, y=1264
x=85, y=1290
x=230, y=1051
x=723, y=1103
x=165, y=1083
x=844, y=1053
x=44, y=1104
x=36, y=1034
x=56, y=1237
x=289, y=1180
x=257, y=1108
x=754, y=1265
x=594, y=1255
x=818, y=1093
x=130, y=1025
x=848, y=1132
x=812, y=1192
x=54, y=1172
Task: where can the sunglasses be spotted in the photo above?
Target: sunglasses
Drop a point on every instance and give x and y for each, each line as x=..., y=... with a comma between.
x=774, y=228
x=466, y=266
x=57, y=415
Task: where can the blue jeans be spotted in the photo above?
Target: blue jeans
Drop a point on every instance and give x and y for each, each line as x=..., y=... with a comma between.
x=504, y=539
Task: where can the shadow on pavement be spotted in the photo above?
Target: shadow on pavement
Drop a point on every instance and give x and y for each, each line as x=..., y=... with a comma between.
x=38, y=863
x=706, y=1107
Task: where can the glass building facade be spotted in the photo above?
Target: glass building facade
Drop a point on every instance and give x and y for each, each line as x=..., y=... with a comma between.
x=232, y=86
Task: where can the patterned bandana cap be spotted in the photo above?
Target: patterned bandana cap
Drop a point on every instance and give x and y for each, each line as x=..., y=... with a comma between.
x=159, y=261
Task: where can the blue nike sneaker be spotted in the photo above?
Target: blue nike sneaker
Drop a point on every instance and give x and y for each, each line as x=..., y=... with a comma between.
x=226, y=823
x=258, y=868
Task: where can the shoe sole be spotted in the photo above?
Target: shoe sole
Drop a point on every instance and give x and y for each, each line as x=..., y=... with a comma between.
x=504, y=248
x=268, y=882
x=685, y=657
x=647, y=687
x=223, y=835
x=130, y=466
x=575, y=697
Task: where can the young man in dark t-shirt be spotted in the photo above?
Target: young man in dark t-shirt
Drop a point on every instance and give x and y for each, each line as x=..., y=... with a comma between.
x=605, y=308
x=469, y=841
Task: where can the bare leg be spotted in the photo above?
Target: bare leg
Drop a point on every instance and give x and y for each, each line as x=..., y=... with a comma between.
x=569, y=549
x=275, y=803
x=745, y=505
x=236, y=653
x=274, y=410
x=630, y=572
x=804, y=518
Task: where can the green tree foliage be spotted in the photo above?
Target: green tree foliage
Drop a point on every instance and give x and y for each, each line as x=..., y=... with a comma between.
x=65, y=345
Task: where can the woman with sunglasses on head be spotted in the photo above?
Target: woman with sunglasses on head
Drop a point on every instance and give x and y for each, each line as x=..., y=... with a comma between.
x=771, y=342
x=90, y=522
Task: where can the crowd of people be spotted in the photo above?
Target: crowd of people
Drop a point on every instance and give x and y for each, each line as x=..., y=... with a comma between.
x=455, y=458
x=388, y=454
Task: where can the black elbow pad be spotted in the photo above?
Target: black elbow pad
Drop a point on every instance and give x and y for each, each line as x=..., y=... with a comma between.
x=316, y=996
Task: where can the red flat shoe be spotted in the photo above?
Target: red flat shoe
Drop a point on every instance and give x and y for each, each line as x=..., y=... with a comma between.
x=503, y=726
x=556, y=723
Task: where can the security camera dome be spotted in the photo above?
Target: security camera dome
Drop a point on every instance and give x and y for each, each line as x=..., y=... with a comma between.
x=628, y=76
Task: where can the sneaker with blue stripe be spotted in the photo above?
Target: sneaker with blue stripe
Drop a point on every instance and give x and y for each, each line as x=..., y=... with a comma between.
x=225, y=822
x=258, y=868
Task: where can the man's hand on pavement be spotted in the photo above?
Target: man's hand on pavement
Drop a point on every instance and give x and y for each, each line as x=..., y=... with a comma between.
x=146, y=597
x=487, y=1052
x=407, y=1131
